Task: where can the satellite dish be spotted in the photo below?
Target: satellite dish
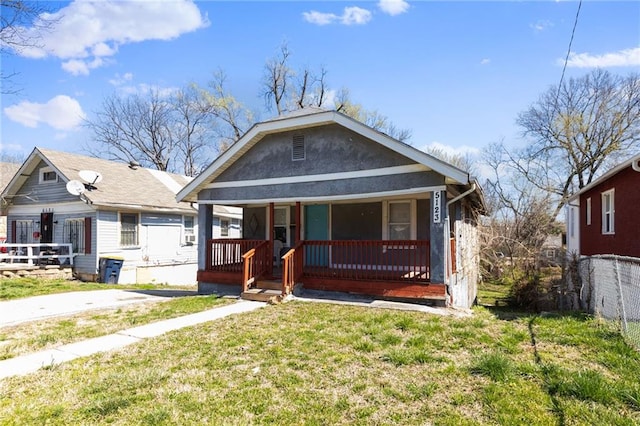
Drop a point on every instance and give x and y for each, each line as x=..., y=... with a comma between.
x=75, y=187
x=90, y=176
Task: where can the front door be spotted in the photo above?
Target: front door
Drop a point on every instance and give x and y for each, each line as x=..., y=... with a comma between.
x=316, y=227
x=46, y=227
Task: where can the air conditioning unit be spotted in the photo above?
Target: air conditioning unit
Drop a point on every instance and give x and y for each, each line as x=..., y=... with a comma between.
x=190, y=239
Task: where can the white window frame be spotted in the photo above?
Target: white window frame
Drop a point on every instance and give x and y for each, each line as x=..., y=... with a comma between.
x=137, y=234
x=43, y=172
x=588, y=209
x=189, y=233
x=608, y=212
x=413, y=229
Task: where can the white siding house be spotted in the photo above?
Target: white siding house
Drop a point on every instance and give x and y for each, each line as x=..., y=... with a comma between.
x=129, y=213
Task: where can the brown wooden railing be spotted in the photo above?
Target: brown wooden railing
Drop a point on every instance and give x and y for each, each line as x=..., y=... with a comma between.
x=255, y=264
x=406, y=260
x=225, y=255
x=452, y=253
x=292, y=264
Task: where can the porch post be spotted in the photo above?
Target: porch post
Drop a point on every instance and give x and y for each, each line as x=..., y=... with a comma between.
x=438, y=214
x=298, y=221
x=270, y=223
x=205, y=232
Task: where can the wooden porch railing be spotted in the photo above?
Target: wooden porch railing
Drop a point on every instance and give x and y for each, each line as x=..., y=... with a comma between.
x=403, y=261
x=225, y=255
x=292, y=264
x=256, y=263
x=41, y=253
x=452, y=255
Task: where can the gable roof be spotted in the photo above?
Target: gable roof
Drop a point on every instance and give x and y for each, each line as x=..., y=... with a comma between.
x=7, y=171
x=308, y=118
x=633, y=162
x=121, y=186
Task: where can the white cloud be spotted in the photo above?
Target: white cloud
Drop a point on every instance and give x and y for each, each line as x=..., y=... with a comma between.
x=119, y=80
x=319, y=18
x=541, y=25
x=622, y=58
x=86, y=31
x=81, y=67
x=61, y=112
x=350, y=16
x=393, y=7
x=355, y=15
x=485, y=61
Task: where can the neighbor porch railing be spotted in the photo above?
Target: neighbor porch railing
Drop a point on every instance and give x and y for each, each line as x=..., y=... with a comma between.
x=256, y=263
x=38, y=254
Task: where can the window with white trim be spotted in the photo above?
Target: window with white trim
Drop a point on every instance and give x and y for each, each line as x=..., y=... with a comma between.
x=608, y=212
x=48, y=175
x=74, y=234
x=128, y=229
x=189, y=230
x=588, y=209
x=399, y=220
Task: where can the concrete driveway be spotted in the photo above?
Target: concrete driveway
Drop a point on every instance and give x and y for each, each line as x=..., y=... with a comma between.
x=35, y=308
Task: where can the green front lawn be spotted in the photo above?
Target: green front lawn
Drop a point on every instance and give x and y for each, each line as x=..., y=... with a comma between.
x=306, y=363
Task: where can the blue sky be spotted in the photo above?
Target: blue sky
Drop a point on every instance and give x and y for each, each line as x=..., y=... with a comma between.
x=455, y=73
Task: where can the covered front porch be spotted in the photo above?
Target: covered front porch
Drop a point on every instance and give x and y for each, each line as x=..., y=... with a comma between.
x=385, y=268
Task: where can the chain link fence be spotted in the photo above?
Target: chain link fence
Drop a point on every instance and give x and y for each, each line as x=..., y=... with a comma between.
x=609, y=286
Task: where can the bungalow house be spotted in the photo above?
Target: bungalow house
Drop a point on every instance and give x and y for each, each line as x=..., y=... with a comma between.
x=331, y=204
x=602, y=218
x=106, y=209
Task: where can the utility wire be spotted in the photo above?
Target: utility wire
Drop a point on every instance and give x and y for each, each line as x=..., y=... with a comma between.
x=566, y=59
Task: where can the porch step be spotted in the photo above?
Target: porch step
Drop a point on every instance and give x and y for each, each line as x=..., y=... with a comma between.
x=269, y=285
x=260, y=294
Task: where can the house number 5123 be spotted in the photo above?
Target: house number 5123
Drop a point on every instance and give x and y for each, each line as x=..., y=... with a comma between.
x=436, y=206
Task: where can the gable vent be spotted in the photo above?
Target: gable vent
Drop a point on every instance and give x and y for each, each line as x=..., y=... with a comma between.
x=298, y=150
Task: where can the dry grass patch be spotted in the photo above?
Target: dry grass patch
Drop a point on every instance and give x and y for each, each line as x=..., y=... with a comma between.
x=303, y=363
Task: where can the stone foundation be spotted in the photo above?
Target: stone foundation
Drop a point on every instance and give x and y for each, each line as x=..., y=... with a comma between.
x=49, y=272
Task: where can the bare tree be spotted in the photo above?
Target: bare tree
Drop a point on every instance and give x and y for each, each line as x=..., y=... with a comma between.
x=231, y=118
x=276, y=79
x=576, y=129
x=193, y=135
x=138, y=127
x=371, y=118
x=22, y=24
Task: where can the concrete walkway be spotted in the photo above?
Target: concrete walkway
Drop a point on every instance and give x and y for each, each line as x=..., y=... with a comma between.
x=32, y=362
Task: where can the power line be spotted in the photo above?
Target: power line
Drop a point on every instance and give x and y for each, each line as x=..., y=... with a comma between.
x=566, y=59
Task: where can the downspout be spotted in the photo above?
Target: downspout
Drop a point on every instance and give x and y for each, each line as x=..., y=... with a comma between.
x=635, y=165
x=447, y=252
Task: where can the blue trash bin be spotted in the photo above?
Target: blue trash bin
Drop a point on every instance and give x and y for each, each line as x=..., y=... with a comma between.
x=110, y=269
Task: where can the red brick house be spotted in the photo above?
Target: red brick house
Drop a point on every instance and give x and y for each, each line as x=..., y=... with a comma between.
x=603, y=217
